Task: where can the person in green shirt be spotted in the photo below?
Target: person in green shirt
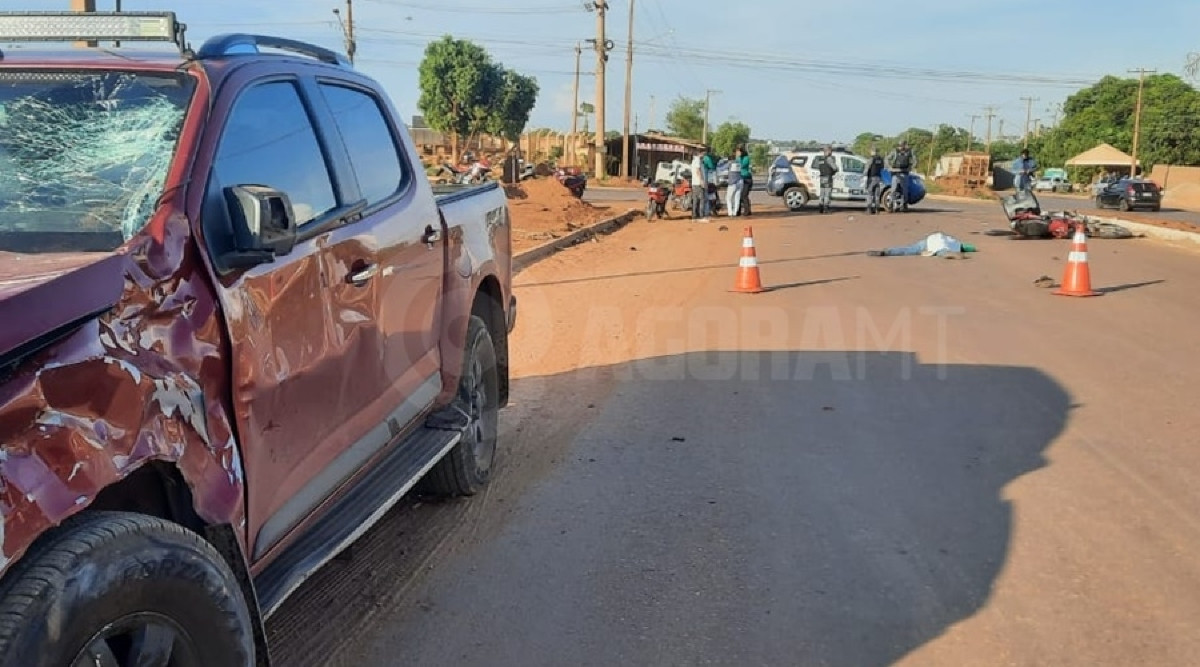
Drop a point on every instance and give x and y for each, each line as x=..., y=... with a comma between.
x=743, y=162
x=710, y=190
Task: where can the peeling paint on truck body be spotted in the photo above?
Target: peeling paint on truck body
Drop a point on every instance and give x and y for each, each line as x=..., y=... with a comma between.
x=128, y=355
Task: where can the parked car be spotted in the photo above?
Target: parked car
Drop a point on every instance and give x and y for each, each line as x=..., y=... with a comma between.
x=1052, y=184
x=793, y=177
x=238, y=326
x=1130, y=193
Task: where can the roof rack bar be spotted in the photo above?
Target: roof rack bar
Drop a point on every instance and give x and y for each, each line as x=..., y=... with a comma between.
x=241, y=44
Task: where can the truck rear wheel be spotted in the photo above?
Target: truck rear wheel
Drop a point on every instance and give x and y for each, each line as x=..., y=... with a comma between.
x=118, y=589
x=468, y=467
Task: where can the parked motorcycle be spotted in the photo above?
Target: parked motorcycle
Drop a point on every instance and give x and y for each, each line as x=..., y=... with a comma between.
x=573, y=180
x=656, y=206
x=476, y=173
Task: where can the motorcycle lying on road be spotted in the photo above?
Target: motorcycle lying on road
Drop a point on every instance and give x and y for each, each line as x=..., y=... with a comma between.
x=573, y=180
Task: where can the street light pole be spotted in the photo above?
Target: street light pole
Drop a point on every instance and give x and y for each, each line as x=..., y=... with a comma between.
x=601, y=9
x=1137, y=117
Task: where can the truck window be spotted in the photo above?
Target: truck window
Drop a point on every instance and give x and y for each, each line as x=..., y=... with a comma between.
x=369, y=140
x=269, y=140
x=799, y=161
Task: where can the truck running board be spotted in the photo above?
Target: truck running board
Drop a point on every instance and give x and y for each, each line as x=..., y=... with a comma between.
x=353, y=514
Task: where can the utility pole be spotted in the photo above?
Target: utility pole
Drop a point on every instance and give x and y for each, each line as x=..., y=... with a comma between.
x=707, y=105
x=989, y=113
x=348, y=29
x=602, y=48
x=650, y=125
x=1037, y=128
x=1028, y=116
x=1001, y=131
x=575, y=110
x=1137, y=117
x=971, y=132
x=628, y=97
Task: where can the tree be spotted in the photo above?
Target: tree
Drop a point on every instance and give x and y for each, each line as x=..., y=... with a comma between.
x=456, y=81
x=613, y=134
x=586, y=110
x=759, y=156
x=1104, y=112
x=510, y=113
x=685, y=119
x=729, y=136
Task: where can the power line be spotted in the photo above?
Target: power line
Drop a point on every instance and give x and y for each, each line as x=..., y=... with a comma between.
x=456, y=8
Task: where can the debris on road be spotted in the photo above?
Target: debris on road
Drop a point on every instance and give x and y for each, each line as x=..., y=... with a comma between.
x=1044, y=282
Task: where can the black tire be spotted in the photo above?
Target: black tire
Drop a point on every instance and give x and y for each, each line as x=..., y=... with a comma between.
x=467, y=468
x=1157, y=208
x=795, y=197
x=1099, y=202
x=1124, y=205
x=123, y=585
x=650, y=209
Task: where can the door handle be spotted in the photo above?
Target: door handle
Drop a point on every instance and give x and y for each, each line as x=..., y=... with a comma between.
x=360, y=276
x=431, y=236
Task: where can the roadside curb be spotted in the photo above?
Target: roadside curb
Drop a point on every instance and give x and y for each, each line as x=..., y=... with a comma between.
x=1150, y=231
x=524, y=260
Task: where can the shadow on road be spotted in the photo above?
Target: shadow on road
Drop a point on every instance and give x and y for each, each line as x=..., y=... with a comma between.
x=832, y=508
x=1128, y=286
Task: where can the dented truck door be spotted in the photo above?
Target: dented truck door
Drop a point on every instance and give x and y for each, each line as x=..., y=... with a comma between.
x=307, y=385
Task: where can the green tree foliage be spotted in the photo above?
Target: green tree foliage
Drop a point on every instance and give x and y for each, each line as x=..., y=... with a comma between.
x=454, y=82
x=585, y=112
x=464, y=92
x=759, y=156
x=510, y=114
x=685, y=119
x=728, y=136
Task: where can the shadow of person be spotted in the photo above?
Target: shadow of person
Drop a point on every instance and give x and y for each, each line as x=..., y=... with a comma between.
x=749, y=508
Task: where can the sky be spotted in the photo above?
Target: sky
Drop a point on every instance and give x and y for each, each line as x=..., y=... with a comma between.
x=790, y=69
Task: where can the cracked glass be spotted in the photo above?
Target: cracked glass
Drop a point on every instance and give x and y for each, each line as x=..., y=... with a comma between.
x=84, y=156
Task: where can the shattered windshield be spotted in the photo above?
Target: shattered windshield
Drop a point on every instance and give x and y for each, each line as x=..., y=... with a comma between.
x=84, y=155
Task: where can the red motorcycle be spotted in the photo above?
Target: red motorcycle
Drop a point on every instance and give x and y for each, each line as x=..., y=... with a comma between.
x=659, y=195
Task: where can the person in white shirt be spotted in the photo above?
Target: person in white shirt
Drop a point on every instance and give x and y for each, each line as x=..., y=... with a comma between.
x=699, y=187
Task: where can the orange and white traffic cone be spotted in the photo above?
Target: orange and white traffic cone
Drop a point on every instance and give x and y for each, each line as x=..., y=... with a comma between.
x=748, y=280
x=1077, y=278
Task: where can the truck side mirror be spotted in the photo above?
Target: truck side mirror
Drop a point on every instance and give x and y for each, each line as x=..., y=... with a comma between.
x=264, y=221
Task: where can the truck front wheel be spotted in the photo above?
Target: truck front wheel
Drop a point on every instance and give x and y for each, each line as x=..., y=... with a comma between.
x=466, y=469
x=118, y=589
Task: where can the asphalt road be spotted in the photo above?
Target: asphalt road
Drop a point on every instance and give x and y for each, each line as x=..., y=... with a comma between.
x=897, y=460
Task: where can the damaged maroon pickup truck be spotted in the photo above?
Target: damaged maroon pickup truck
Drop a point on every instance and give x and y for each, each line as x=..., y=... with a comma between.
x=236, y=326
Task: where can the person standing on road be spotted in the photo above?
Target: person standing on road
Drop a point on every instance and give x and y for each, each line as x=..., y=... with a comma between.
x=1024, y=166
x=874, y=180
x=733, y=194
x=747, y=179
x=699, y=193
x=827, y=168
x=710, y=188
x=901, y=163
